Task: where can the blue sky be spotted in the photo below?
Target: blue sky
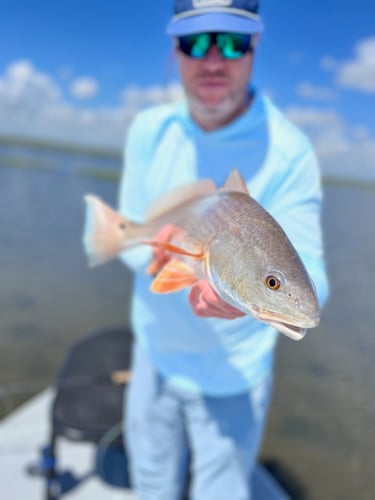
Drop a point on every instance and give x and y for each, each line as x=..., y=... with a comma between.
x=78, y=70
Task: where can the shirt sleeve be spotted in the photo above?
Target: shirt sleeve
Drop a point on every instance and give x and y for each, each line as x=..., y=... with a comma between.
x=132, y=191
x=297, y=208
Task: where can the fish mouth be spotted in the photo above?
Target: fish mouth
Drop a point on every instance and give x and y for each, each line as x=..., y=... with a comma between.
x=291, y=331
x=291, y=328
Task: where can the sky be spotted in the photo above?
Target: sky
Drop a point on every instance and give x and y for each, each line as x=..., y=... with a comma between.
x=77, y=71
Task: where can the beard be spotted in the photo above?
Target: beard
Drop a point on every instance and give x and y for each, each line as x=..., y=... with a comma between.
x=215, y=114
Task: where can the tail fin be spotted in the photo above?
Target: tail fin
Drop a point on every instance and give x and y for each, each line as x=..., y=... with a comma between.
x=104, y=233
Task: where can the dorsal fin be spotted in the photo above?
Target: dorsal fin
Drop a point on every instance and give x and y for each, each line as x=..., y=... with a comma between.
x=180, y=195
x=235, y=182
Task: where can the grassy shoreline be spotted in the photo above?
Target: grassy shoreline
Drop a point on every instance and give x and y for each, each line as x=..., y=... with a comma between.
x=19, y=141
x=11, y=160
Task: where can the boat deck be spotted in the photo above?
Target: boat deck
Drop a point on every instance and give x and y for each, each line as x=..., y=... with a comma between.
x=24, y=432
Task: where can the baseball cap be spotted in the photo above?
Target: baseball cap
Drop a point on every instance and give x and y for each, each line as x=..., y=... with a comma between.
x=199, y=16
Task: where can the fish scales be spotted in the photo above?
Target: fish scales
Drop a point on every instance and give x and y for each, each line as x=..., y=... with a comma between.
x=226, y=238
x=204, y=218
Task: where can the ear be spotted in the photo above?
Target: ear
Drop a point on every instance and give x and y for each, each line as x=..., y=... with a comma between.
x=255, y=40
x=175, y=45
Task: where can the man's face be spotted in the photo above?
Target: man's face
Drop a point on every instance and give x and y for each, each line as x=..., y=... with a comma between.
x=216, y=88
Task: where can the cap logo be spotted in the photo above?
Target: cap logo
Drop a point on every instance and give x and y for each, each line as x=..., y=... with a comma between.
x=193, y=16
x=201, y=4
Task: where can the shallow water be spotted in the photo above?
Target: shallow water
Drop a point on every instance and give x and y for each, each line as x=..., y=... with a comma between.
x=320, y=428
x=321, y=425
x=48, y=295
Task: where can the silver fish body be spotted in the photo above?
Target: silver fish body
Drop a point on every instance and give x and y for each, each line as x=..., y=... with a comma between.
x=243, y=246
x=229, y=239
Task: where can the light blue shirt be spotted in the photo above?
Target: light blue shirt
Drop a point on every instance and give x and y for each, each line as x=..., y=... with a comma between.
x=165, y=149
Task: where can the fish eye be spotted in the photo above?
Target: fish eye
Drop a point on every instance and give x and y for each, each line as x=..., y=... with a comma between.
x=122, y=226
x=273, y=282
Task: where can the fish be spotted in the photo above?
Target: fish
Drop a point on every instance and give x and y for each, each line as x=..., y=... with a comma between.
x=224, y=236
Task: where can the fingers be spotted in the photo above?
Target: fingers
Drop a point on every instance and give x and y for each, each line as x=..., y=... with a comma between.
x=203, y=299
x=166, y=233
x=160, y=256
x=206, y=303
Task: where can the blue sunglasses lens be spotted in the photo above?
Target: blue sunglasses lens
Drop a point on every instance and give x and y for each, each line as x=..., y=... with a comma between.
x=233, y=45
x=230, y=45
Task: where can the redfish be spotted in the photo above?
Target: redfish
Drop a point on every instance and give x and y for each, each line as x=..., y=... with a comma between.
x=223, y=236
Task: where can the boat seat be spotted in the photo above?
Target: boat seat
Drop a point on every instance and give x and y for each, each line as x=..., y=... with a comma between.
x=88, y=407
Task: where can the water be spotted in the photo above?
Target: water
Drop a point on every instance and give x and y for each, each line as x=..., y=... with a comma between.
x=321, y=422
x=321, y=425
x=48, y=295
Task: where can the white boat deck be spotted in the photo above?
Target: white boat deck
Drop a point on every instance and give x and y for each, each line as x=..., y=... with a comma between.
x=26, y=431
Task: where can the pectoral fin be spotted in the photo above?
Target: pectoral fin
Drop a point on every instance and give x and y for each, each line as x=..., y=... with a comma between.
x=174, y=276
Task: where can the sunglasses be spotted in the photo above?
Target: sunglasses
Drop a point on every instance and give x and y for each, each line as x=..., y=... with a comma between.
x=230, y=45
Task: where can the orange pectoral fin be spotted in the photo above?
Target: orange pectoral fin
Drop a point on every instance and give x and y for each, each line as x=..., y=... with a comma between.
x=174, y=276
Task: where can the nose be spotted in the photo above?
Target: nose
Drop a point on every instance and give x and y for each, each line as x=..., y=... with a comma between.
x=213, y=59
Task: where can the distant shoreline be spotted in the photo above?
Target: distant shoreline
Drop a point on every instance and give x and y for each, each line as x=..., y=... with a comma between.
x=112, y=154
x=347, y=182
x=10, y=140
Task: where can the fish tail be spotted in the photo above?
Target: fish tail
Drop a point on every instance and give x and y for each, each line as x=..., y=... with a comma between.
x=104, y=233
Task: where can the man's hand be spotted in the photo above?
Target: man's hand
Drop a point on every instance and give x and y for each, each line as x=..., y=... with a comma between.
x=160, y=256
x=203, y=299
x=206, y=303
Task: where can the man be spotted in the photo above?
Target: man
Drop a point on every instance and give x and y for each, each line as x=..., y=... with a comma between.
x=202, y=371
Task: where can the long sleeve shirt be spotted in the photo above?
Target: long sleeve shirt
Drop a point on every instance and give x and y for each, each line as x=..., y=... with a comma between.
x=166, y=149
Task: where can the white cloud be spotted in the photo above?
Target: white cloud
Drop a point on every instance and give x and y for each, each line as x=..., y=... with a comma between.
x=343, y=148
x=359, y=73
x=310, y=91
x=134, y=96
x=32, y=105
x=312, y=117
x=84, y=87
x=356, y=73
x=24, y=89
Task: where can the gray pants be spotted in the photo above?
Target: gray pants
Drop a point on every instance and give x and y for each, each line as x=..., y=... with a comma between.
x=166, y=429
